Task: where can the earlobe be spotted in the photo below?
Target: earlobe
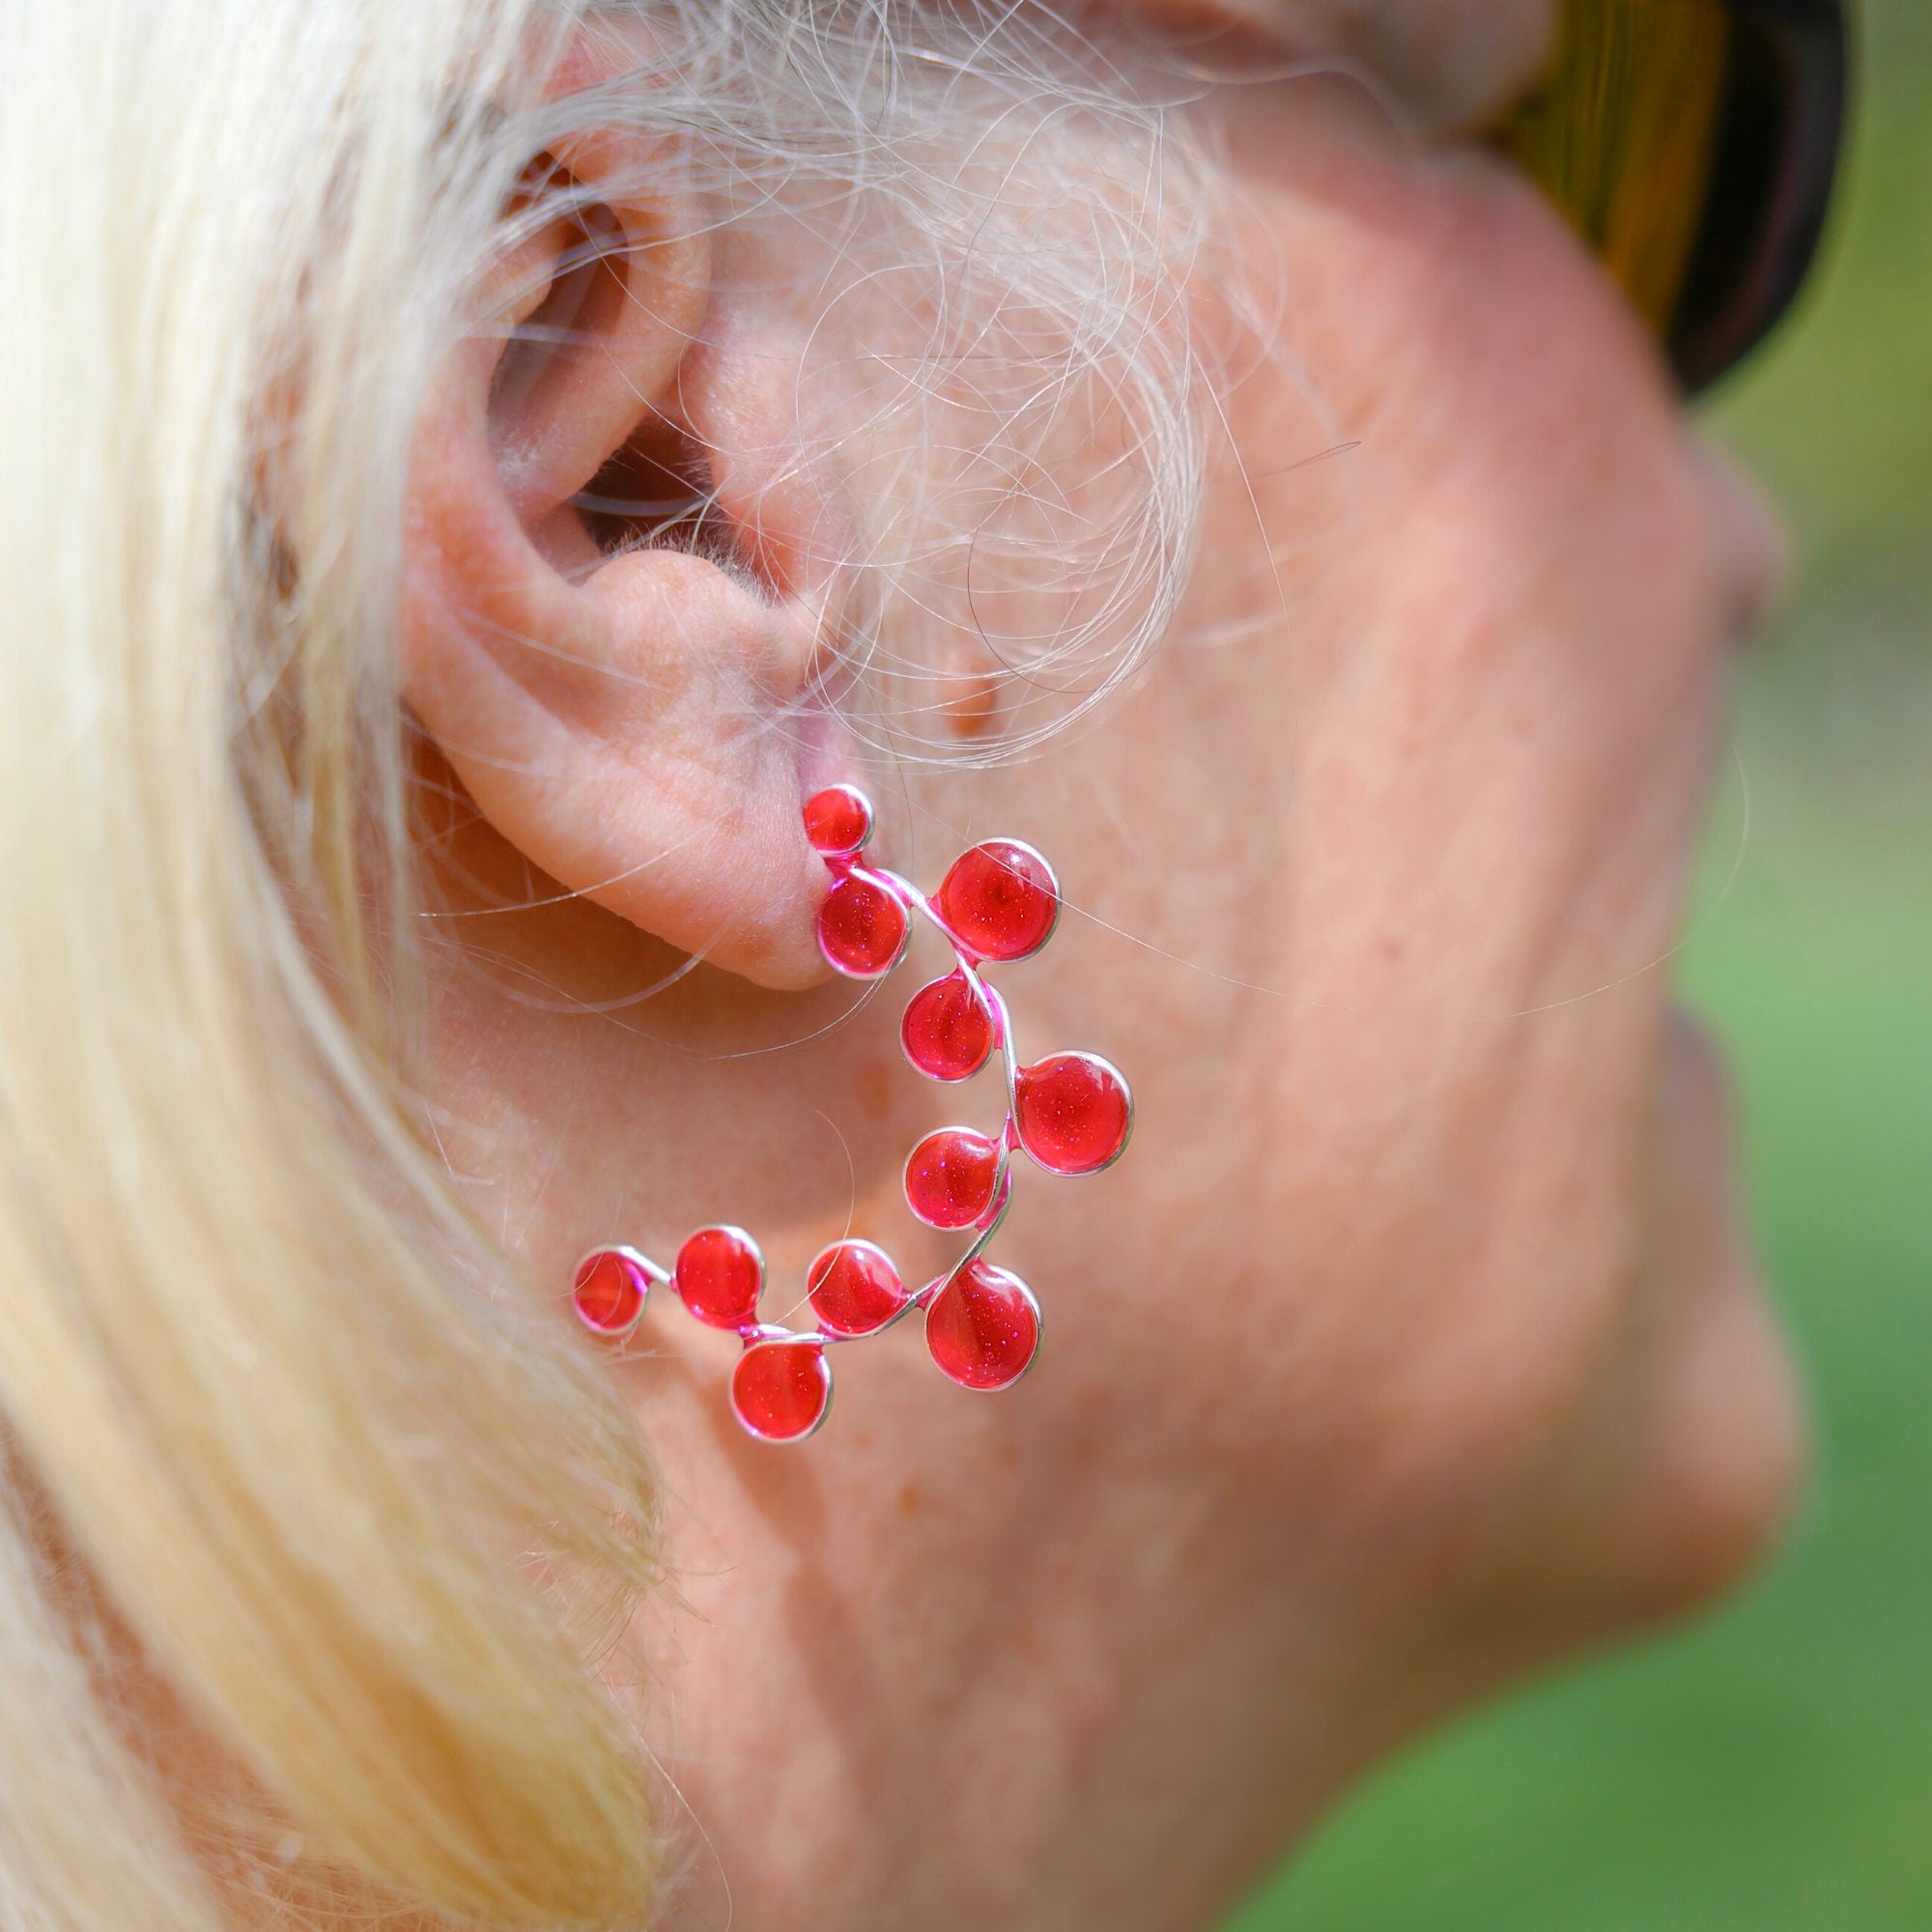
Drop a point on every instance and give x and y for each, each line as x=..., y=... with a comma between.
x=599, y=657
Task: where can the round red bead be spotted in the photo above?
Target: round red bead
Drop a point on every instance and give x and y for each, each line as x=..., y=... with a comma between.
x=855, y=1289
x=947, y=1031
x=951, y=1176
x=608, y=1290
x=1075, y=1112
x=983, y=1327
x=1000, y=900
x=780, y=1390
x=718, y=1274
x=838, y=820
x=862, y=928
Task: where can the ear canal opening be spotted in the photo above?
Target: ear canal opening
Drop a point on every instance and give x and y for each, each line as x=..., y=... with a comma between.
x=658, y=492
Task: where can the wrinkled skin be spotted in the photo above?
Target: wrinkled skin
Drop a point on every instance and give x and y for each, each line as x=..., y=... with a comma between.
x=1415, y=1343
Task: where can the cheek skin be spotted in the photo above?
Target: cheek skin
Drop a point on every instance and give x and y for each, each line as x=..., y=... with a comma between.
x=1460, y=785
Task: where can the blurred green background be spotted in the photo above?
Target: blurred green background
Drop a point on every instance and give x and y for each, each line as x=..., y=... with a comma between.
x=1772, y=1769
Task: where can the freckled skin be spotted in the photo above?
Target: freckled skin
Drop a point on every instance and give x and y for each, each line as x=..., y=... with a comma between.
x=878, y=1079
x=1414, y=1345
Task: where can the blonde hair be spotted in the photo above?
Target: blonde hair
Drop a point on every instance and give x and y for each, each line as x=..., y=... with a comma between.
x=315, y=1522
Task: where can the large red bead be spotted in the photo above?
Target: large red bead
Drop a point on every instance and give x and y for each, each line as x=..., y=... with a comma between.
x=838, y=820
x=718, y=1274
x=983, y=1327
x=1000, y=900
x=608, y=1290
x=855, y=1289
x=862, y=928
x=950, y=1177
x=780, y=1390
x=1075, y=1112
x=947, y=1031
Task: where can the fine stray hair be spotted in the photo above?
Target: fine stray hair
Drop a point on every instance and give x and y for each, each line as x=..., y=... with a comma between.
x=315, y=1522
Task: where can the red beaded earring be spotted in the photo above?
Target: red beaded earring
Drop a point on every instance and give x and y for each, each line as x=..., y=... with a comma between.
x=1070, y=1113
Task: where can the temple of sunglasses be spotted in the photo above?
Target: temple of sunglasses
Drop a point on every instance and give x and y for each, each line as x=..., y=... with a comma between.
x=1694, y=143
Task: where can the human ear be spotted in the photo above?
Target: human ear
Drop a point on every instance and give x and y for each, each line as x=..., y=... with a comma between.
x=608, y=625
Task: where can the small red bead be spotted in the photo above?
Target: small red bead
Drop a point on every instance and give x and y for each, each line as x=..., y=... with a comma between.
x=862, y=928
x=838, y=820
x=780, y=1390
x=718, y=1274
x=855, y=1289
x=948, y=1031
x=1000, y=900
x=951, y=1176
x=1075, y=1112
x=983, y=1327
x=608, y=1290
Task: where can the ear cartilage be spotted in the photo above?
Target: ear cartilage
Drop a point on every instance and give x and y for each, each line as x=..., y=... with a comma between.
x=1069, y=1113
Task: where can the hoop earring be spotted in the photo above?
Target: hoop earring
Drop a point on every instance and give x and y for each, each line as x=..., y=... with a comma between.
x=1069, y=1113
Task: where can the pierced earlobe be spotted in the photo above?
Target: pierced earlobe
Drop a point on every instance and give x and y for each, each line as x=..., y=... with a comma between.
x=587, y=638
